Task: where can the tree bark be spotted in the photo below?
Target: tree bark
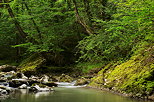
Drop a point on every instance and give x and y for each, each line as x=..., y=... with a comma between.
x=82, y=22
x=21, y=33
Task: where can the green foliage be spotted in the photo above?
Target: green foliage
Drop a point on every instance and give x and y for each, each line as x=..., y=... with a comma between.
x=58, y=29
x=7, y=36
x=86, y=67
x=134, y=77
x=131, y=24
x=50, y=27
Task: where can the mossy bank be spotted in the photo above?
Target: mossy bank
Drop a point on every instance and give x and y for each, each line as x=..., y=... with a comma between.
x=134, y=77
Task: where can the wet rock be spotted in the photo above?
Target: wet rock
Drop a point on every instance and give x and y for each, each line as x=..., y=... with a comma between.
x=31, y=82
x=7, y=68
x=44, y=79
x=55, y=78
x=65, y=78
x=82, y=81
x=4, y=82
x=37, y=88
x=8, y=89
x=21, y=75
x=34, y=78
x=18, y=82
x=50, y=84
x=8, y=75
x=3, y=92
x=23, y=86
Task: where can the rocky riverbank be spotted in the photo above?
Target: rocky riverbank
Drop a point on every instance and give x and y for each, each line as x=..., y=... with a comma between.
x=132, y=78
x=11, y=80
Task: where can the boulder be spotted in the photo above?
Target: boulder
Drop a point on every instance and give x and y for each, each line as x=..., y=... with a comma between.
x=55, y=78
x=18, y=82
x=7, y=68
x=50, y=84
x=8, y=89
x=65, y=78
x=21, y=75
x=37, y=88
x=8, y=75
x=34, y=78
x=82, y=81
x=23, y=86
x=3, y=92
x=4, y=82
x=44, y=79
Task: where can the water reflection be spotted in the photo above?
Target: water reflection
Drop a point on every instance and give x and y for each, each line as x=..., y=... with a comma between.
x=24, y=92
x=68, y=95
x=39, y=94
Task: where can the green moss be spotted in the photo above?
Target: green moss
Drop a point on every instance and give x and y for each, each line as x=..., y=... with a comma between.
x=31, y=63
x=65, y=78
x=133, y=76
x=40, y=85
x=86, y=67
x=105, y=68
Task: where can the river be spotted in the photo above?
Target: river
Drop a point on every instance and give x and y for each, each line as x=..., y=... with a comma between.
x=62, y=94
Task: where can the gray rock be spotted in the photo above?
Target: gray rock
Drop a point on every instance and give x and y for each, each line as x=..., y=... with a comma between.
x=23, y=86
x=34, y=78
x=82, y=81
x=7, y=68
x=65, y=78
x=21, y=76
x=18, y=82
x=44, y=79
x=36, y=88
x=8, y=89
x=3, y=92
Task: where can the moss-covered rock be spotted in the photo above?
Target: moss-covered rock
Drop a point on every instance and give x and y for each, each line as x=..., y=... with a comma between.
x=32, y=63
x=65, y=78
x=39, y=84
x=135, y=76
x=81, y=81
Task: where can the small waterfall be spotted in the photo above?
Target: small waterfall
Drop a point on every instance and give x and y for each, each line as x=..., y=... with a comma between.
x=68, y=85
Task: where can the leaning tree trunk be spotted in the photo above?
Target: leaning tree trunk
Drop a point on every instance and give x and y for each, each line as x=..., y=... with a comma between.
x=82, y=22
x=21, y=33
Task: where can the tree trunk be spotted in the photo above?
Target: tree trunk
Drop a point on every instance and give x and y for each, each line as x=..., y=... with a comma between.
x=22, y=34
x=82, y=22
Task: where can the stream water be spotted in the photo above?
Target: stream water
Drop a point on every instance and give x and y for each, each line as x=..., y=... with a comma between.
x=67, y=94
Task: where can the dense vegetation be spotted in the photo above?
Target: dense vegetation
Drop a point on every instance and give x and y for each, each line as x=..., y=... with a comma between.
x=114, y=36
x=67, y=32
